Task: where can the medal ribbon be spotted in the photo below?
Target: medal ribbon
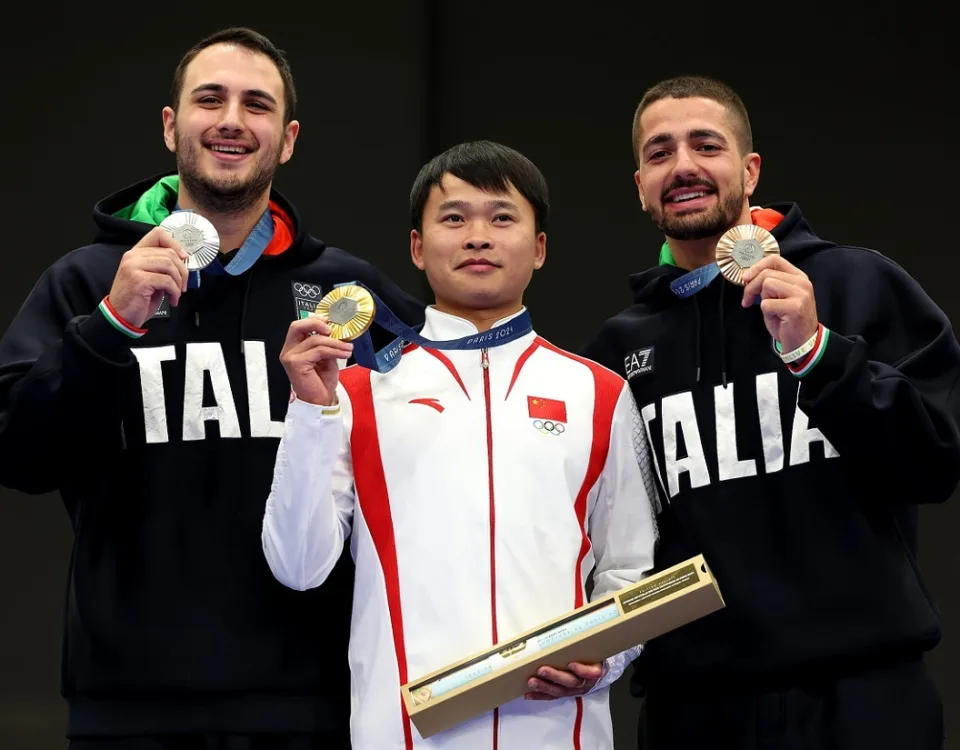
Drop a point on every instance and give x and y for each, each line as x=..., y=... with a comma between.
x=699, y=278
x=693, y=281
x=251, y=249
x=389, y=356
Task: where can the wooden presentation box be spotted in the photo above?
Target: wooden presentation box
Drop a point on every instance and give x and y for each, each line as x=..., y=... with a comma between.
x=636, y=614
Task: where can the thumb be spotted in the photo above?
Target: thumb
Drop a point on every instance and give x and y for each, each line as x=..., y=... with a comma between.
x=587, y=671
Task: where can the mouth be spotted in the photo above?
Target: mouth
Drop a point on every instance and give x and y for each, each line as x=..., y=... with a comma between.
x=229, y=150
x=689, y=197
x=478, y=265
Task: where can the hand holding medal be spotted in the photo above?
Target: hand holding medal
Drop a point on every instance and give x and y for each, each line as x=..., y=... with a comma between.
x=158, y=267
x=154, y=268
x=750, y=257
x=310, y=356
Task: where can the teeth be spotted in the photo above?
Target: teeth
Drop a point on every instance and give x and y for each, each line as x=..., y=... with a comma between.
x=688, y=196
x=229, y=149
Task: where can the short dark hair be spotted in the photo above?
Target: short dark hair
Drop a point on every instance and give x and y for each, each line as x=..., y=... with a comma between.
x=686, y=87
x=488, y=166
x=252, y=41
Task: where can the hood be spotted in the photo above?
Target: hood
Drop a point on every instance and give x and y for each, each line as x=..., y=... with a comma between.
x=796, y=238
x=124, y=217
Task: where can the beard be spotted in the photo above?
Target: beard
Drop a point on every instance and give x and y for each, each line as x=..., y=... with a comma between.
x=702, y=224
x=228, y=193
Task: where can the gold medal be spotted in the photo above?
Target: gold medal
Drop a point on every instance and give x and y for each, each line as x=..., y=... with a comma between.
x=349, y=310
x=741, y=247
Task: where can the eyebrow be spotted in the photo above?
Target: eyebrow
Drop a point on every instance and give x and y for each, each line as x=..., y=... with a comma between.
x=698, y=133
x=463, y=205
x=218, y=88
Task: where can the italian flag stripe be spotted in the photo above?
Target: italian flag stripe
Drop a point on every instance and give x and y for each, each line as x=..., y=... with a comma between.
x=815, y=355
x=119, y=323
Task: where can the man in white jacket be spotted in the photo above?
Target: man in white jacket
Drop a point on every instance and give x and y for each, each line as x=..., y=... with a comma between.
x=480, y=487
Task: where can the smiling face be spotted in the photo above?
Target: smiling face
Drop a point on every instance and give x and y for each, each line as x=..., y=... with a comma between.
x=228, y=131
x=478, y=249
x=693, y=180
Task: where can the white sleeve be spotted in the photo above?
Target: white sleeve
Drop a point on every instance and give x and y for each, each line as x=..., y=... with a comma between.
x=310, y=506
x=623, y=525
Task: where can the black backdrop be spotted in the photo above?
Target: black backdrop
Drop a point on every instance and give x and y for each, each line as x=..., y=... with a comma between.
x=851, y=113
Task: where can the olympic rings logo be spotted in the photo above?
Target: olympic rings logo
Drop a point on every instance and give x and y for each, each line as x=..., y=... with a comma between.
x=308, y=290
x=549, y=428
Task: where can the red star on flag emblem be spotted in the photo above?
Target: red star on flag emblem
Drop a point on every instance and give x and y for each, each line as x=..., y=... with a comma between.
x=546, y=408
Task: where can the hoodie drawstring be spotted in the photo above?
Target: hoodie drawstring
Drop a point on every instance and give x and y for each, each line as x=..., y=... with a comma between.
x=243, y=305
x=696, y=306
x=723, y=338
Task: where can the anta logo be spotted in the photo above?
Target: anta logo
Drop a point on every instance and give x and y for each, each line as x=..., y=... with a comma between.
x=639, y=362
x=766, y=446
x=431, y=402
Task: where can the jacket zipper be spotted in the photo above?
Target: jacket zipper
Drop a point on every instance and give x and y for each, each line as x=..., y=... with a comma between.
x=485, y=364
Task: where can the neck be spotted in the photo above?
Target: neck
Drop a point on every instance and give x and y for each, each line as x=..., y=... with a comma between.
x=233, y=227
x=482, y=319
x=692, y=254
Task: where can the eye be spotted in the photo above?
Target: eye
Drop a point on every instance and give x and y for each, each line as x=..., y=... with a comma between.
x=503, y=218
x=452, y=219
x=260, y=106
x=657, y=155
x=208, y=100
x=709, y=147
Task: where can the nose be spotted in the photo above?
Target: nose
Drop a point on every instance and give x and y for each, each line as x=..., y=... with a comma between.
x=231, y=119
x=477, y=241
x=685, y=164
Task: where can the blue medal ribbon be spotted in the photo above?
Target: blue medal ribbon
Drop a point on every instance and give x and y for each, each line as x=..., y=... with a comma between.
x=251, y=249
x=693, y=281
x=699, y=278
x=389, y=356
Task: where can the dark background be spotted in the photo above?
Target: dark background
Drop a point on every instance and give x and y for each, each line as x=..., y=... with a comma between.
x=852, y=110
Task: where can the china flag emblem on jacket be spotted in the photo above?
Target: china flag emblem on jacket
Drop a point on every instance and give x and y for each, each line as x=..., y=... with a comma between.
x=546, y=408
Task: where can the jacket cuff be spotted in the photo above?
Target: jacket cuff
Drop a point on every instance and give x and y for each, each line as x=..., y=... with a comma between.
x=304, y=411
x=99, y=337
x=830, y=367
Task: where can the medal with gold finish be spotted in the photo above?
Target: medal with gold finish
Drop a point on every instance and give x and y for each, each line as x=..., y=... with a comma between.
x=349, y=309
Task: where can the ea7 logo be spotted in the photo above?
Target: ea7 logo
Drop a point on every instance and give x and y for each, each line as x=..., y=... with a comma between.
x=639, y=362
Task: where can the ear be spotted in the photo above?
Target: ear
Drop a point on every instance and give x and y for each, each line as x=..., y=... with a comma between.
x=751, y=173
x=636, y=179
x=290, y=134
x=540, y=250
x=416, y=248
x=169, y=129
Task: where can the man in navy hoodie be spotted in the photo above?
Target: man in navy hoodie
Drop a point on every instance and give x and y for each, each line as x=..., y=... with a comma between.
x=168, y=389
x=797, y=422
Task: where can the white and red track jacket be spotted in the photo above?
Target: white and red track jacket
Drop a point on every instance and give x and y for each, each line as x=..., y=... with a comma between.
x=479, y=490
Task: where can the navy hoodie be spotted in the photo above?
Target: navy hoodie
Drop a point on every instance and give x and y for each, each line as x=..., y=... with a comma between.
x=801, y=493
x=163, y=450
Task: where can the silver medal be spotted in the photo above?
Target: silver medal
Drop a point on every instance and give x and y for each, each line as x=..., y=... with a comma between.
x=196, y=235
